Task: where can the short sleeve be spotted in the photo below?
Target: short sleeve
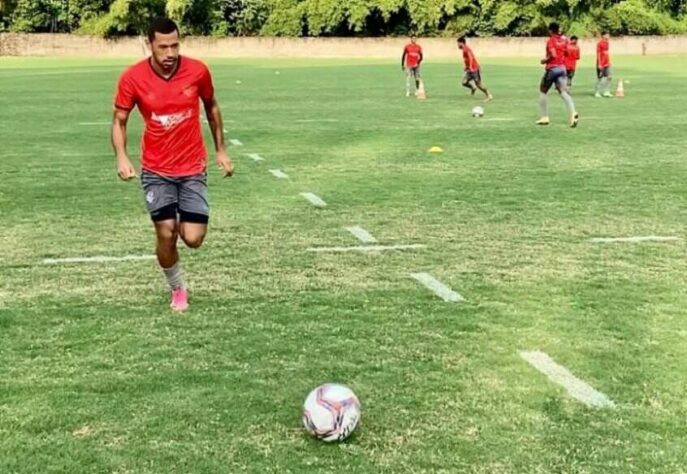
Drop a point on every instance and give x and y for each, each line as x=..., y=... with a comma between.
x=125, y=97
x=206, y=89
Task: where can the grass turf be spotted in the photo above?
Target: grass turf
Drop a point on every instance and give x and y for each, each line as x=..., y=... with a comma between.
x=96, y=375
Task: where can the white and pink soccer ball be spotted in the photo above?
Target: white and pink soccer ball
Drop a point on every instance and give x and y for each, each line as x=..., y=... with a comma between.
x=331, y=412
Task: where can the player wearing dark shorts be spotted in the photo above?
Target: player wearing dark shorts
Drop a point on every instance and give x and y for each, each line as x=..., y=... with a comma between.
x=167, y=89
x=555, y=74
x=572, y=55
x=410, y=63
x=603, y=67
x=473, y=74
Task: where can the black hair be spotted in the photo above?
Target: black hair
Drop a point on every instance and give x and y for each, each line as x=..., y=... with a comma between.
x=605, y=32
x=462, y=40
x=573, y=38
x=554, y=27
x=161, y=25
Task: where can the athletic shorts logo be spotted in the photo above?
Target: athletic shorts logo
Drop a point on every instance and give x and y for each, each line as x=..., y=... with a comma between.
x=172, y=120
x=150, y=197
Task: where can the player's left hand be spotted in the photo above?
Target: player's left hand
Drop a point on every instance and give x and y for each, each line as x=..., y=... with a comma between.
x=225, y=164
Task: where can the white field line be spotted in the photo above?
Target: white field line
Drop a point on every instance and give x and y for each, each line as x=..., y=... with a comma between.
x=497, y=119
x=366, y=248
x=98, y=259
x=439, y=289
x=314, y=199
x=279, y=174
x=362, y=235
x=236, y=142
x=95, y=123
x=255, y=157
x=578, y=389
x=635, y=239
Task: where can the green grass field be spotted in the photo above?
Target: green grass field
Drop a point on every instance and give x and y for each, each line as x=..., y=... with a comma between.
x=97, y=376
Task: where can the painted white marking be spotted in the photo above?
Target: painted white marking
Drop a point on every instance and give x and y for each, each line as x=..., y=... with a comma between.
x=314, y=199
x=255, y=157
x=95, y=123
x=497, y=119
x=367, y=248
x=279, y=174
x=639, y=238
x=441, y=290
x=98, y=259
x=578, y=389
x=330, y=120
x=225, y=130
x=235, y=142
x=362, y=235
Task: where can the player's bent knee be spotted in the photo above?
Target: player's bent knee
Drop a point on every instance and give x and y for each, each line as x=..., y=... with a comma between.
x=193, y=241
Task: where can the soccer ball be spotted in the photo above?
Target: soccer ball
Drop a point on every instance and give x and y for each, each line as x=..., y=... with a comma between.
x=331, y=412
x=477, y=111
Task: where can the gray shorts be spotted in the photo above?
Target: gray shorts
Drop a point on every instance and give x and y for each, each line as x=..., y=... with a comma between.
x=557, y=75
x=414, y=71
x=168, y=197
x=472, y=76
x=603, y=72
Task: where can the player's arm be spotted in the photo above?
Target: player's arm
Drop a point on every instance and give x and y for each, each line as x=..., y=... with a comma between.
x=125, y=169
x=403, y=60
x=214, y=116
x=421, y=58
x=550, y=54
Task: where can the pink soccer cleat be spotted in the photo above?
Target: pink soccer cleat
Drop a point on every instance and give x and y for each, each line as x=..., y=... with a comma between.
x=179, y=300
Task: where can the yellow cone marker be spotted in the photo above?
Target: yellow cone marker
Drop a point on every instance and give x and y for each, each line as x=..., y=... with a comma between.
x=436, y=149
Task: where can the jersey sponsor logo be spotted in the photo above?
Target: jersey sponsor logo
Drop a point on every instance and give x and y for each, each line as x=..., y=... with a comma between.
x=172, y=120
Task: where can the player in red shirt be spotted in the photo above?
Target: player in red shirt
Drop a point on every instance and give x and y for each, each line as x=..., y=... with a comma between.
x=472, y=70
x=410, y=63
x=167, y=89
x=556, y=46
x=603, y=66
x=572, y=55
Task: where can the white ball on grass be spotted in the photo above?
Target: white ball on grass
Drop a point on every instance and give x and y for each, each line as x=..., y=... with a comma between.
x=331, y=412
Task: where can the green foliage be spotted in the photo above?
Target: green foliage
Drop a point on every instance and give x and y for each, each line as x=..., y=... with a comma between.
x=349, y=17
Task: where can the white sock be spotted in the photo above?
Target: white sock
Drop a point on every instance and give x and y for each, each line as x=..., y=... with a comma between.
x=543, y=105
x=175, y=279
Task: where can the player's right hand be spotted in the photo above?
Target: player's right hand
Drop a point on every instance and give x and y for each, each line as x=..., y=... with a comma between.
x=125, y=170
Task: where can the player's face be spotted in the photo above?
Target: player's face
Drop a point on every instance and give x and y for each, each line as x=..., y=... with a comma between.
x=165, y=49
x=460, y=45
x=606, y=36
x=413, y=39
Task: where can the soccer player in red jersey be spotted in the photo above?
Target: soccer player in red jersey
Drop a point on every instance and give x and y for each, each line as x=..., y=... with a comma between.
x=410, y=63
x=472, y=70
x=571, y=57
x=556, y=46
x=603, y=67
x=167, y=89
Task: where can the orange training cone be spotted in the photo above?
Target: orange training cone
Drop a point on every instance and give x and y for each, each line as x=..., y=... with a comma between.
x=620, y=91
x=421, y=91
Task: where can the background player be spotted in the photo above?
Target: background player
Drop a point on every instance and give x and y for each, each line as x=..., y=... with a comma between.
x=410, y=63
x=472, y=70
x=571, y=57
x=556, y=46
x=603, y=66
x=167, y=89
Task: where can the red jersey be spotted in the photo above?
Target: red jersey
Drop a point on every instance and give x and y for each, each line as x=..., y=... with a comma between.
x=471, y=64
x=572, y=55
x=413, y=54
x=603, y=57
x=172, y=143
x=559, y=44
